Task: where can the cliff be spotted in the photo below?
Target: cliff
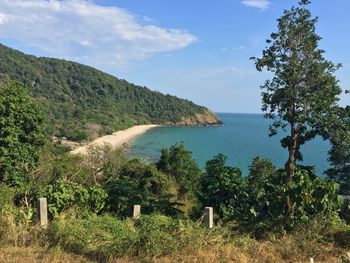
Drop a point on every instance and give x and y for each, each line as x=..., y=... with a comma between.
x=207, y=118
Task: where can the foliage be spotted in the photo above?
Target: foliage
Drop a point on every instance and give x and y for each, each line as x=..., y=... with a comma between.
x=223, y=188
x=302, y=96
x=21, y=134
x=100, y=165
x=140, y=183
x=7, y=196
x=282, y=207
x=345, y=211
x=260, y=173
x=105, y=238
x=339, y=154
x=108, y=239
x=64, y=195
x=104, y=164
x=101, y=236
x=177, y=162
x=263, y=202
x=157, y=234
x=83, y=102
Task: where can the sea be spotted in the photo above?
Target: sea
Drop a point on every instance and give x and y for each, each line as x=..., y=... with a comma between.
x=241, y=139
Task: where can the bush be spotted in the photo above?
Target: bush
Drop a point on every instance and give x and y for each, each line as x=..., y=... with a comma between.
x=64, y=195
x=342, y=238
x=101, y=237
x=7, y=196
x=345, y=211
x=283, y=206
x=223, y=188
x=140, y=183
x=105, y=237
x=157, y=235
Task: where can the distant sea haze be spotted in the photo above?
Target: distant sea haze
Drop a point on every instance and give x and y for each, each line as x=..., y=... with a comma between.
x=242, y=138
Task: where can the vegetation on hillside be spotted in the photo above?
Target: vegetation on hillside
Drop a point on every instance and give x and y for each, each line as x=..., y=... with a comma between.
x=272, y=214
x=82, y=102
x=90, y=200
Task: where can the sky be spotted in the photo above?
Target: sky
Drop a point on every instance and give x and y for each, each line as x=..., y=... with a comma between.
x=194, y=49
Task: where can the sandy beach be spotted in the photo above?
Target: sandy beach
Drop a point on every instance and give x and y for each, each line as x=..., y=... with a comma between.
x=117, y=139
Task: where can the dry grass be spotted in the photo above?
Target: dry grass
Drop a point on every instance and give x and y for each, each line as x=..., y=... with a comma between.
x=34, y=255
x=261, y=252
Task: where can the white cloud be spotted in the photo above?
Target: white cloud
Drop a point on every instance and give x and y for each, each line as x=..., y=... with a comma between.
x=261, y=4
x=3, y=18
x=235, y=48
x=86, y=32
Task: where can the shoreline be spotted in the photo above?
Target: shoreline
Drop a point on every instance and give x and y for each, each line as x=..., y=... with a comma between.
x=116, y=139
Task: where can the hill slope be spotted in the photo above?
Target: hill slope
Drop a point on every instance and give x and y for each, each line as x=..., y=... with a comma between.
x=83, y=102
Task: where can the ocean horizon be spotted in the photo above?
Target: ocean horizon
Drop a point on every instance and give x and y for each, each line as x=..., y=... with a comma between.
x=243, y=137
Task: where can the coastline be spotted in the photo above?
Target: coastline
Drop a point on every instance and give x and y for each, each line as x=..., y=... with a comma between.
x=116, y=139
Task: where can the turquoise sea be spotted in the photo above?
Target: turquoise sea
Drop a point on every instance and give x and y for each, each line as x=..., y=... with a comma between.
x=243, y=137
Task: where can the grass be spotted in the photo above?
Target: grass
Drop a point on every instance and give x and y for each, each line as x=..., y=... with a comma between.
x=157, y=238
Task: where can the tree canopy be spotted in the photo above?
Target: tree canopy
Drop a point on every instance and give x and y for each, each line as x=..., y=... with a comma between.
x=177, y=162
x=302, y=96
x=21, y=133
x=339, y=154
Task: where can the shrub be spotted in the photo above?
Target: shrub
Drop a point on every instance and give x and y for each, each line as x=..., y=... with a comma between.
x=140, y=183
x=282, y=207
x=7, y=196
x=157, y=235
x=223, y=188
x=64, y=195
x=101, y=237
x=161, y=235
x=345, y=211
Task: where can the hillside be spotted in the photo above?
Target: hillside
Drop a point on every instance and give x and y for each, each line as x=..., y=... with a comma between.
x=82, y=102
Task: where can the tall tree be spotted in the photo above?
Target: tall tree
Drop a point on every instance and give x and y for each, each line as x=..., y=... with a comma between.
x=302, y=95
x=21, y=134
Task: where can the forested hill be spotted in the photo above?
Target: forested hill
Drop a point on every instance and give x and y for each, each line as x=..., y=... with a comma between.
x=82, y=102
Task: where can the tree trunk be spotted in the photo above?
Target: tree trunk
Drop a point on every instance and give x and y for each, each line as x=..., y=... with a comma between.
x=290, y=165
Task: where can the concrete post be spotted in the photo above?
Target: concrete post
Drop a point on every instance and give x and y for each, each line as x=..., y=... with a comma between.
x=312, y=260
x=43, y=212
x=209, y=217
x=136, y=212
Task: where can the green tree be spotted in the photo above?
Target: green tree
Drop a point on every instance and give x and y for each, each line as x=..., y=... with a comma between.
x=178, y=163
x=21, y=134
x=303, y=92
x=260, y=172
x=140, y=183
x=223, y=188
x=339, y=154
x=282, y=207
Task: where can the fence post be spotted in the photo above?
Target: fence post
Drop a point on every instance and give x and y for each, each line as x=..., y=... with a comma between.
x=208, y=217
x=348, y=255
x=312, y=260
x=136, y=211
x=43, y=212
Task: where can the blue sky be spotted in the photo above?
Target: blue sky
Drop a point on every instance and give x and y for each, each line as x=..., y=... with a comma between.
x=197, y=49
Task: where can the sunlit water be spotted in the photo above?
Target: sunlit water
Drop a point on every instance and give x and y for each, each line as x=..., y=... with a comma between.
x=243, y=137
